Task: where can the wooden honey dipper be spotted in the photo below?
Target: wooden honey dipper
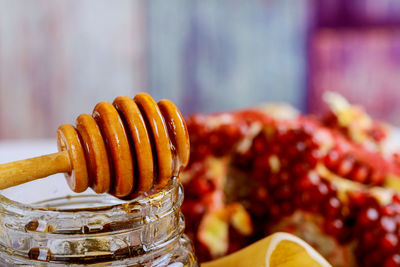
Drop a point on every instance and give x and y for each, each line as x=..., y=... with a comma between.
x=124, y=148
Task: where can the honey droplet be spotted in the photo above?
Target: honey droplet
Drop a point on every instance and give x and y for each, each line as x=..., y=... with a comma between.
x=41, y=254
x=39, y=226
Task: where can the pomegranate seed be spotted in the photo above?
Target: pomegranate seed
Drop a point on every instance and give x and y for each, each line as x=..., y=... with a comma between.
x=372, y=259
x=193, y=208
x=332, y=207
x=261, y=194
x=357, y=199
x=313, y=142
x=230, y=130
x=387, y=210
x=199, y=186
x=292, y=152
x=345, y=166
x=332, y=159
x=305, y=198
x=334, y=227
x=259, y=175
x=284, y=163
x=368, y=239
x=286, y=208
x=392, y=261
x=360, y=174
x=285, y=137
x=323, y=189
x=332, y=189
x=368, y=217
x=203, y=151
x=389, y=242
x=301, y=146
x=274, y=210
x=308, y=128
x=304, y=183
x=313, y=157
x=276, y=148
x=299, y=169
x=396, y=198
x=214, y=139
x=284, y=176
x=376, y=178
x=283, y=192
x=387, y=224
x=259, y=145
x=262, y=162
x=273, y=181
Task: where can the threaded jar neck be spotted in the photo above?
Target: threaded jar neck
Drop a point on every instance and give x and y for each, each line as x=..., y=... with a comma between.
x=88, y=229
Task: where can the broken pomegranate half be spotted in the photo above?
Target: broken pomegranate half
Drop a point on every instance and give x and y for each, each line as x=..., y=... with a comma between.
x=253, y=172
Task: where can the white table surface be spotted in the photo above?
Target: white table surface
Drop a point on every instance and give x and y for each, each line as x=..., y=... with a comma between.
x=39, y=189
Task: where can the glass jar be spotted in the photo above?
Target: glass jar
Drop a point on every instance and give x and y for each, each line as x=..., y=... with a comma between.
x=95, y=229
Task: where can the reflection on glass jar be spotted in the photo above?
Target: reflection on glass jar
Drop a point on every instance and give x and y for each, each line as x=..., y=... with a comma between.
x=96, y=229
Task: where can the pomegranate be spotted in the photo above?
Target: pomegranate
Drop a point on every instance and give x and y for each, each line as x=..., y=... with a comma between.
x=252, y=174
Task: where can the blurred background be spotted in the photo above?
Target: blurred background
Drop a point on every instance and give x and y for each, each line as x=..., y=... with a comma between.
x=59, y=58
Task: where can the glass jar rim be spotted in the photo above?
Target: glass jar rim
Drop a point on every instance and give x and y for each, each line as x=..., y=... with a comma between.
x=114, y=203
x=152, y=222
x=146, y=208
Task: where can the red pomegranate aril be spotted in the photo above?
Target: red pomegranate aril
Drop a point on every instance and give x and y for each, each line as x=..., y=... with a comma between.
x=357, y=199
x=313, y=157
x=214, y=139
x=286, y=208
x=283, y=192
x=322, y=189
x=259, y=144
x=396, y=198
x=345, y=166
x=372, y=259
x=262, y=194
x=284, y=162
x=387, y=224
x=387, y=210
x=301, y=146
x=368, y=239
x=284, y=176
x=299, y=169
x=360, y=174
x=303, y=184
x=392, y=261
x=193, y=210
x=307, y=181
x=368, y=217
x=273, y=181
x=199, y=186
x=312, y=142
x=262, y=162
x=231, y=131
x=275, y=148
x=334, y=227
x=275, y=210
x=376, y=178
x=285, y=137
x=305, y=198
x=332, y=207
x=389, y=242
x=332, y=159
x=292, y=152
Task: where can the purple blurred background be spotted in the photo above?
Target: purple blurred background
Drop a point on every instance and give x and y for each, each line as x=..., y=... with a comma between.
x=59, y=58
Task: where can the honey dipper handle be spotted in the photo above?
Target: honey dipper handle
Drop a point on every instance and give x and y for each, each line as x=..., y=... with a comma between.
x=19, y=172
